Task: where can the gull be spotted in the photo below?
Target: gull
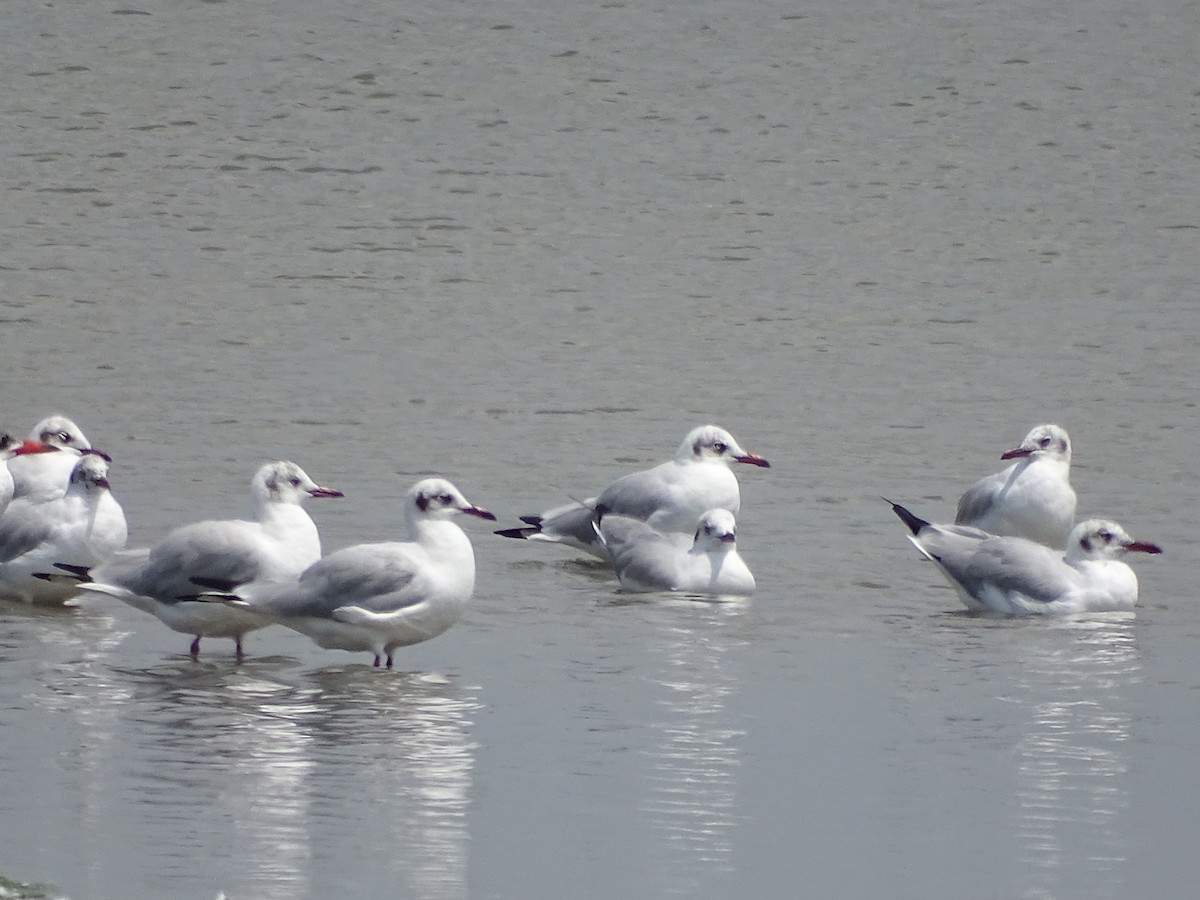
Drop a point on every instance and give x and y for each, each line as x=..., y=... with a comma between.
x=279, y=544
x=1032, y=498
x=647, y=560
x=377, y=597
x=11, y=448
x=84, y=527
x=45, y=477
x=669, y=497
x=1017, y=576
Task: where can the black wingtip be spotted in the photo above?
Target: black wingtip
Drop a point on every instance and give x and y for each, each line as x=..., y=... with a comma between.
x=520, y=534
x=535, y=521
x=915, y=523
x=224, y=585
x=83, y=573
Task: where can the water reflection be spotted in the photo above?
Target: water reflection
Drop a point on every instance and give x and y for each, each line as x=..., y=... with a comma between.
x=294, y=761
x=692, y=783
x=1071, y=790
x=54, y=661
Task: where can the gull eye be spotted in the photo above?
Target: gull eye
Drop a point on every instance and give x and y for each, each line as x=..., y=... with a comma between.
x=1044, y=442
x=720, y=447
x=294, y=481
x=445, y=499
x=1105, y=536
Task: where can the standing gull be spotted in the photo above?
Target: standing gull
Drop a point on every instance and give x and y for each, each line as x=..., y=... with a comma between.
x=279, y=544
x=377, y=597
x=1016, y=576
x=1032, y=498
x=84, y=527
x=669, y=497
x=647, y=560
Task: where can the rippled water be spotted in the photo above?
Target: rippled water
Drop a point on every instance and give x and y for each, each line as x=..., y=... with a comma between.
x=528, y=246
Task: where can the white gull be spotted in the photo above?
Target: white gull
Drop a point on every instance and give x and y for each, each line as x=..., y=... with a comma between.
x=84, y=527
x=669, y=497
x=1016, y=576
x=45, y=477
x=377, y=597
x=706, y=563
x=1032, y=498
x=280, y=543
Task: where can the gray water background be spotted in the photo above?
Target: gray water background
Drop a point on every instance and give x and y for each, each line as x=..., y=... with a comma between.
x=528, y=246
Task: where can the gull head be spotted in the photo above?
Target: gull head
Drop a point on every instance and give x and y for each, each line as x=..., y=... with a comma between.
x=59, y=431
x=715, y=530
x=1043, y=442
x=1102, y=539
x=90, y=474
x=439, y=499
x=712, y=444
x=286, y=482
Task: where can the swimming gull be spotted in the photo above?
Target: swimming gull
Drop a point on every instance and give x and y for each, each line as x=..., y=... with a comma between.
x=1032, y=498
x=1017, y=576
x=669, y=497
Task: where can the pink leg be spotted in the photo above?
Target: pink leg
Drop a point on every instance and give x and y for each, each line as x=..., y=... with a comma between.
x=377, y=660
x=389, y=661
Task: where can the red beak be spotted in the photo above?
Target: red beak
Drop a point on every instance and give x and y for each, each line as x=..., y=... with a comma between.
x=481, y=513
x=1143, y=547
x=1015, y=453
x=325, y=492
x=754, y=460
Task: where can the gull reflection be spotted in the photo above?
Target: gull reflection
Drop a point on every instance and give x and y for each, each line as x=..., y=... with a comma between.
x=1075, y=752
x=693, y=766
x=338, y=770
x=65, y=715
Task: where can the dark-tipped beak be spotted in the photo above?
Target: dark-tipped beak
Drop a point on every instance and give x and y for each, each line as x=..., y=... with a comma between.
x=325, y=492
x=1143, y=547
x=92, y=451
x=1015, y=453
x=728, y=537
x=31, y=446
x=478, y=513
x=753, y=459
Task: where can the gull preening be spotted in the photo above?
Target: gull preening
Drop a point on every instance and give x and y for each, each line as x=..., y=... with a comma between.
x=377, y=597
x=84, y=527
x=280, y=543
x=647, y=560
x=1032, y=498
x=45, y=477
x=669, y=497
x=1017, y=576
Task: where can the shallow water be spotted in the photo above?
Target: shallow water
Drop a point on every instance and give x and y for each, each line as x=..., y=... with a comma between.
x=528, y=247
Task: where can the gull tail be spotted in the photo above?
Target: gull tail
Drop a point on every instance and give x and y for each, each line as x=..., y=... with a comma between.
x=521, y=534
x=915, y=523
x=69, y=573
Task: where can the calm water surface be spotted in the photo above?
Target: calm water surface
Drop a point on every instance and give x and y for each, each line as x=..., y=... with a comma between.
x=529, y=246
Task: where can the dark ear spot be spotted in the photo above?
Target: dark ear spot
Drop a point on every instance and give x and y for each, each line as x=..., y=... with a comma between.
x=696, y=448
x=1086, y=543
x=422, y=502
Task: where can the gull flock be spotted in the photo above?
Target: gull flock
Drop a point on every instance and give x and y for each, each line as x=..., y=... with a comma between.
x=1013, y=548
